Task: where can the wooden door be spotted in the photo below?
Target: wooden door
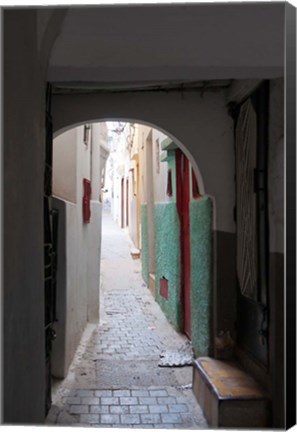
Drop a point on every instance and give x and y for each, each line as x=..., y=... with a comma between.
x=182, y=202
x=251, y=146
x=50, y=225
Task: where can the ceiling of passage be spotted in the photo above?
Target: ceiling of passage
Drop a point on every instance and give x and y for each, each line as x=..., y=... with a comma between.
x=102, y=46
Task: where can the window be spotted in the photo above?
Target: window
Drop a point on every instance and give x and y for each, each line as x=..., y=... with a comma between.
x=87, y=129
x=195, y=188
x=169, y=183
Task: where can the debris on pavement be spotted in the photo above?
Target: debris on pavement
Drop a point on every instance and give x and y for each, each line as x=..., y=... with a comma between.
x=182, y=356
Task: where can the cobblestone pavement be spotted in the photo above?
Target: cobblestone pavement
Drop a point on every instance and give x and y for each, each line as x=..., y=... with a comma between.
x=114, y=379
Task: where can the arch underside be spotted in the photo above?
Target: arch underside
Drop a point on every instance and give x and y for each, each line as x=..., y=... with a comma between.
x=195, y=122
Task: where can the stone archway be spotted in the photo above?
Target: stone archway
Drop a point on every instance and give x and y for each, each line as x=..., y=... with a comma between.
x=201, y=258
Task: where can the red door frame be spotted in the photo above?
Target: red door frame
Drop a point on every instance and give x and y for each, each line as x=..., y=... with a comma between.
x=182, y=203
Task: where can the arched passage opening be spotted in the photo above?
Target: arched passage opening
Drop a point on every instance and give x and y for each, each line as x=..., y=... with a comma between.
x=141, y=121
x=205, y=125
x=200, y=123
x=23, y=169
x=165, y=201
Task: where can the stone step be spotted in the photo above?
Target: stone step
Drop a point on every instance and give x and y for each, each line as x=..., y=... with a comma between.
x=135, y=253
x=228, y=396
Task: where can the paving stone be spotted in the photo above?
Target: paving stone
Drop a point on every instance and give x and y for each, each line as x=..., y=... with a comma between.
x=128, y=401
x=121, y=393
x=71, y=392
x=158, y=393
x=71, y=400
x=110, y=419
x=155, y=409
x=188, y=421
x=104, y=393
x=139, y=409
x=171, y=418
x=140, y=393
x=90, y=400
x=148, y=401
x=89, y=418
x=85, y=393
x=150, y=418
x=132, y=336
x=110, y=401
x=130, y=419
x=79, y=409
x=99, y=409
x=165, y=426
x=166, y=400
x=178, y=408
x=117, y=409
x=181, y=399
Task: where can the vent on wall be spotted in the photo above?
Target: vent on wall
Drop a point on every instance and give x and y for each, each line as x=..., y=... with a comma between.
x=164, y=287
x=87, y=129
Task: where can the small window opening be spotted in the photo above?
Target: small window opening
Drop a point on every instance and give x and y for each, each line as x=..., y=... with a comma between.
x=169, y=183
x=195, y=188
x=87, y=129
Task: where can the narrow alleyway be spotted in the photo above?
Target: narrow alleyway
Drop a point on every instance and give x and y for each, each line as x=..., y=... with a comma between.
x=114, y=379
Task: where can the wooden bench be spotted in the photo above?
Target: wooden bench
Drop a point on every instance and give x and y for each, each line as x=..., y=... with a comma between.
x=228, y=396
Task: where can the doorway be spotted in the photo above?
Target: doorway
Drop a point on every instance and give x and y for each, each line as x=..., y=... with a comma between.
x=127, y=202
x=251, y=138
x=183, y=202
x=150, y=203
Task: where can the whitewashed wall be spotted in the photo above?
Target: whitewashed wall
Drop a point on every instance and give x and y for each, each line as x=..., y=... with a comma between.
x=79, y=269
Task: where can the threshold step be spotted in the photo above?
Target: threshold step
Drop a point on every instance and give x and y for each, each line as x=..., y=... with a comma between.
x=228, y=396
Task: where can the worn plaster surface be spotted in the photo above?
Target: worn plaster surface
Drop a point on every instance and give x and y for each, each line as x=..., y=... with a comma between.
x=200, y=235
x=167, y=253
x=114, y=379
x=144, y=242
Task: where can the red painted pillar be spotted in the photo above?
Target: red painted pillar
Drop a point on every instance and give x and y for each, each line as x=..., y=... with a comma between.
x=182, y=203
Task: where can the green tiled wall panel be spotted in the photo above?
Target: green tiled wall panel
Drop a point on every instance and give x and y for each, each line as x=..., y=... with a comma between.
x=144, y=243
x=201, y=283
x=167, y=255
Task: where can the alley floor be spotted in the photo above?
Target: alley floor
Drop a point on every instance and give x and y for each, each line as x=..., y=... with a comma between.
x=114, y=379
